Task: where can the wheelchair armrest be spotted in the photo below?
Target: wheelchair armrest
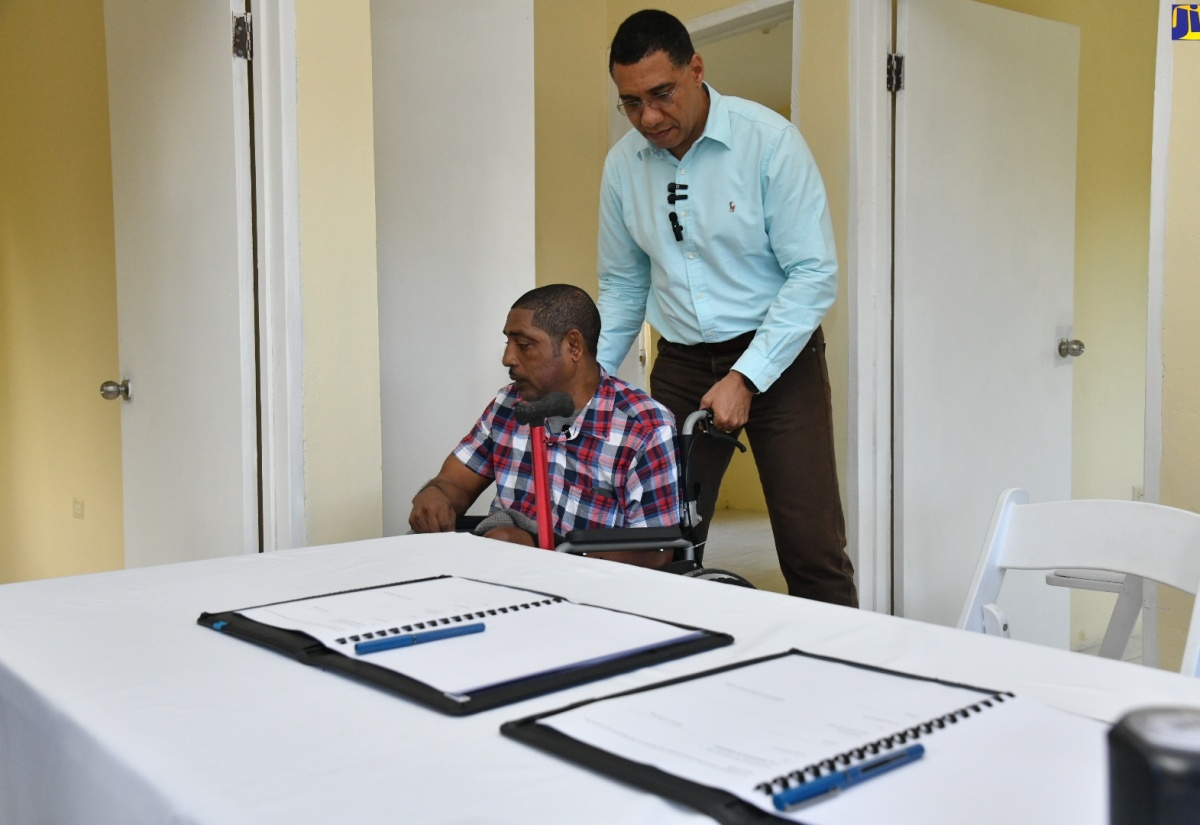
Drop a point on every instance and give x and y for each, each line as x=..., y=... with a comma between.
x=647, y=535
x=467, y=524
x=625, y=538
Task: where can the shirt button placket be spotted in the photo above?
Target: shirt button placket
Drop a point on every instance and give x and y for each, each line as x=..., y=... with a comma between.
x=692, y=267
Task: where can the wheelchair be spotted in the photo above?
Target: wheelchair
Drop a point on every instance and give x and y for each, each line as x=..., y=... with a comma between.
x=687, y=556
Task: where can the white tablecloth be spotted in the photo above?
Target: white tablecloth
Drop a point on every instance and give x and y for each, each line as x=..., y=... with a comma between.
x=115, y=706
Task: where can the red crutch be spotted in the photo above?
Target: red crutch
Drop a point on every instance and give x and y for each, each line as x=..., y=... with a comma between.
x=535, y=414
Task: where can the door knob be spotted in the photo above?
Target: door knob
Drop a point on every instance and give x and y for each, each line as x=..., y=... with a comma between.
x=112, y=390
x=1070, y=349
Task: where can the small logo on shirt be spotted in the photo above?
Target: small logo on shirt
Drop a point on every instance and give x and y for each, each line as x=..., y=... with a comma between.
x=731, y=206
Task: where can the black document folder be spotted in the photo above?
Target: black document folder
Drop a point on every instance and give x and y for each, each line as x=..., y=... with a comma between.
x=527, y=643
x=729, y=741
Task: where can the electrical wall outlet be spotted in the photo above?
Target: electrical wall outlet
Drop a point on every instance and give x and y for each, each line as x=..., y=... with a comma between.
x=77, y=508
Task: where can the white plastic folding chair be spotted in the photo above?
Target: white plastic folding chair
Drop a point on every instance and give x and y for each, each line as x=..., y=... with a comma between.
x=1133, y=538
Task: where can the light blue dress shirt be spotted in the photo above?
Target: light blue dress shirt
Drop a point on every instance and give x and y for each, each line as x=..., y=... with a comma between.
x=757, y=250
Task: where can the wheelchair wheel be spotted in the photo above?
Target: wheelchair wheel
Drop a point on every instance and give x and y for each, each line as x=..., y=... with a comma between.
x=716, y=574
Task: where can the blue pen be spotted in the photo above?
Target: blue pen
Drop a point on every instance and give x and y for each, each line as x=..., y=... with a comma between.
x=392, y=642
x=789, y=799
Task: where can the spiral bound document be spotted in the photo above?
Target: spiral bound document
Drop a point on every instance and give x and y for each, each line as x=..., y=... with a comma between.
x=490, y=644
x=730, y=741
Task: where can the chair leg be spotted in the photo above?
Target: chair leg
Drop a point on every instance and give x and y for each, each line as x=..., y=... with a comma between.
x=1124, y=617
x=1150, y=624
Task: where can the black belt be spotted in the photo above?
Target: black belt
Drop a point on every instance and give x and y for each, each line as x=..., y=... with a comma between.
x=721, y=347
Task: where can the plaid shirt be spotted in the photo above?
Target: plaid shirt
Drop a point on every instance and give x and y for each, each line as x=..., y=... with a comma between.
x=614, y=467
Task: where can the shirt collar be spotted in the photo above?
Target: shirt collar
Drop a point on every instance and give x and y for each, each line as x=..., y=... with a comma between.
x=716, y=127
x=597, y=415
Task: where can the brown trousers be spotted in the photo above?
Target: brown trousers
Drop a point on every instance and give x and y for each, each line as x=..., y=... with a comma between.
x=790, y=430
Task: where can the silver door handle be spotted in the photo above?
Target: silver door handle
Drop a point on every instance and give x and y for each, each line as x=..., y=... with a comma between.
x=111, y=390
x=1070, y=349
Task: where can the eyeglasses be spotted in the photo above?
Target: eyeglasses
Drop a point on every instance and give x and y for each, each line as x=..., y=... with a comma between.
x=657, y=101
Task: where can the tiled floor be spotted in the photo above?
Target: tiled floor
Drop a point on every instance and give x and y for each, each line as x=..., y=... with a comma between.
x=1133, y=651
x=741, y=542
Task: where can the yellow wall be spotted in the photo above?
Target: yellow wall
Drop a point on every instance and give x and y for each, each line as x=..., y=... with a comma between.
x=1181, y=334
x=64, y=151
x=825, y=124
x=58, y=339
x=335, y=120
x=58, y=306
x=570, y=48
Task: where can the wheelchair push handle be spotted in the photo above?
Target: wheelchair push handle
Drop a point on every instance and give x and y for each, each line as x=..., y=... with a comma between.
x=702, y=420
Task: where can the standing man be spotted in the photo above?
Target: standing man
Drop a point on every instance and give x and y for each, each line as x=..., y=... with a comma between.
x=714, y=226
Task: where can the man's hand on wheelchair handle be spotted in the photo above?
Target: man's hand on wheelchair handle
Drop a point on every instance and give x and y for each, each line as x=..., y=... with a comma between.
x=729, y=400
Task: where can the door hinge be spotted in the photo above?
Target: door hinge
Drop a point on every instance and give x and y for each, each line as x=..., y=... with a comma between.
x=243, y=37
x=895, y=72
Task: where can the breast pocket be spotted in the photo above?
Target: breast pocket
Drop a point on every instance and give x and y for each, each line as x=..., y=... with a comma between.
x=586, y=507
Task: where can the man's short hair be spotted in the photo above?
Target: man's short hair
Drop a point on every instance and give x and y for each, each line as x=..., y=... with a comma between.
x=645, y=32
x=560, y=308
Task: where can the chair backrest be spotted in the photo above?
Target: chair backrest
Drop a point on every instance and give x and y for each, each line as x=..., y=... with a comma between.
x=1150, y=540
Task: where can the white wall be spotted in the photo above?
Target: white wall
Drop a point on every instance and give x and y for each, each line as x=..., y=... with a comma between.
x=454, y=180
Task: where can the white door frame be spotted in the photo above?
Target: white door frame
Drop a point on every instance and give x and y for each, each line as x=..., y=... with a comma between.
x=869, y=290
x=746, y=17
x=870, y=293
x=280, y=293
x=1164, y=73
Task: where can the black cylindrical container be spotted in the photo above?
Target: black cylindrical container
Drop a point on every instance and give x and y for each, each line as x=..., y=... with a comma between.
x=1154, y=767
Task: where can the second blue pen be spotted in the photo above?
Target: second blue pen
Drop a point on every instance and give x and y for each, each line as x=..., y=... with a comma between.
x=393, y=642
x=816, y=788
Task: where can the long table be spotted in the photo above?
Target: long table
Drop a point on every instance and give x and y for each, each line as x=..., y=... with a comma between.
x=115, y=706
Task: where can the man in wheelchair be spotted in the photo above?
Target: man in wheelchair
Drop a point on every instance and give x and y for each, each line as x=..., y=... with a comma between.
x=612, y=459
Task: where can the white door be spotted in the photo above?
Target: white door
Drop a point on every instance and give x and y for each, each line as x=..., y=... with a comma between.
x=181, y=191
x=984, y=268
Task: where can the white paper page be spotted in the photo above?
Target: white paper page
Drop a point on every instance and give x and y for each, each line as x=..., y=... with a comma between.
x=749, y=725
x=329, y=619
x=542, y=635
x=1019, y=763
x=529, y=642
